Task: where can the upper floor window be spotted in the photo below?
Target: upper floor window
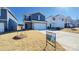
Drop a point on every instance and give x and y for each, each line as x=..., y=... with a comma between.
x=62, y=19
x=38, y=17
x=54, y=18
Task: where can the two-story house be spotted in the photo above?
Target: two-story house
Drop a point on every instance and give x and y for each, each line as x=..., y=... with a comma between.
x=55, y=22
x=8, y=22
x=76, y=23
x=69, y=22
x=35, y=21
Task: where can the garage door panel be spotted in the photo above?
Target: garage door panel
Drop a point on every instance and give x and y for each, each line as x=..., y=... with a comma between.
x=39, y=26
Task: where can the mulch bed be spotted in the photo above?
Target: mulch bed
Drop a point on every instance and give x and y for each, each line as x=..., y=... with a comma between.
x=17, y=37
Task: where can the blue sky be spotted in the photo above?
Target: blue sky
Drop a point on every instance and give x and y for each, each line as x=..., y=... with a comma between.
x=47, y=11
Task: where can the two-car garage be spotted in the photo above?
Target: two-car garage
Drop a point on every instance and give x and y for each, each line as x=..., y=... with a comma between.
x=39, y=25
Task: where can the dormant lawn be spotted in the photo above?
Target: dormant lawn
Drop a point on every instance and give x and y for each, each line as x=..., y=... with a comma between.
x=32, y=41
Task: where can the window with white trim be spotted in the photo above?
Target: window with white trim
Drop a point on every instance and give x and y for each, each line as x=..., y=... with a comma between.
x=38, y=17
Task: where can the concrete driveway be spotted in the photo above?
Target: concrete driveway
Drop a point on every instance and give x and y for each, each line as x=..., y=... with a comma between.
x=69, y=41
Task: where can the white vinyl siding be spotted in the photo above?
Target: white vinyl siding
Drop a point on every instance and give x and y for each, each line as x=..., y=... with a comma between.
x=56, y=22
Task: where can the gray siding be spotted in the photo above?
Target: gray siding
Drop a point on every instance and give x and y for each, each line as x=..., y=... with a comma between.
x=8, y=19
x=35, y=17
x=3, y=14
x=11, y=22
x=3, y=18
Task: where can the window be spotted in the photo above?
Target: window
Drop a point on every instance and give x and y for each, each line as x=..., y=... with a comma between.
x=38, y=17
x=54, y=18
x=62, y=19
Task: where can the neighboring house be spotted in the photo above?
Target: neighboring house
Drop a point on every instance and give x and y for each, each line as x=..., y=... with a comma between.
x=20, y=27
x=35, y=21
x=76, y=23
x=69, y=22
x=8, y=22
x=55, y=22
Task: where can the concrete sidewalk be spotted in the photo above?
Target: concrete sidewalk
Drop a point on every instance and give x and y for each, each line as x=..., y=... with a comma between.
x=70, y=41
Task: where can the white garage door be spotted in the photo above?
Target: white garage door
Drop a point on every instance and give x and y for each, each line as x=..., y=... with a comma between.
x=39, y=26
x=1, y=27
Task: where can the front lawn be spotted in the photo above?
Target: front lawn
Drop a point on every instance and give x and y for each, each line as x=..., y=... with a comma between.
x=72, y=30
x=32, y=41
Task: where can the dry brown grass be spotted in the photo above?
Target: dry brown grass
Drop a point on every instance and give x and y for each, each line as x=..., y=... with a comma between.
x=32, y=41
x=71, y=30
x=51, y=48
